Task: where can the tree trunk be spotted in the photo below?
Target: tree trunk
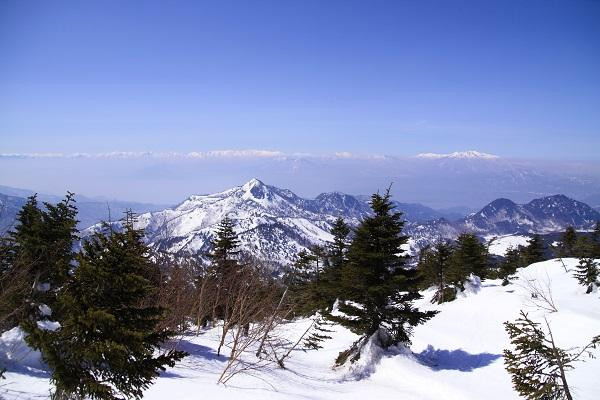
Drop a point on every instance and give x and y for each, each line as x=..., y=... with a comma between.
x=559, y=362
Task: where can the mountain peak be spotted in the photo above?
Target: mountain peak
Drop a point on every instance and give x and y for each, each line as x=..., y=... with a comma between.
x=255, y=189
x=254, y=182
x=469, y=154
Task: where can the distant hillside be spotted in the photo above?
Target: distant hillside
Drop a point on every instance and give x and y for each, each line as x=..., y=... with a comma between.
x=91, y=211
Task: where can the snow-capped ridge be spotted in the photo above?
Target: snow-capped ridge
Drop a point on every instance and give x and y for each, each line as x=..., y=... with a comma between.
x=469, y=154
x=275, y=224
x=544, y=215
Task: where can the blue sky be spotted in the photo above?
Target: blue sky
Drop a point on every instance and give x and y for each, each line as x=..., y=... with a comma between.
x=514, y=78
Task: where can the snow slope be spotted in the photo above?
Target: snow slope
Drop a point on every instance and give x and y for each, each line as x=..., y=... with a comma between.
x=456, y=355
x=498, y=245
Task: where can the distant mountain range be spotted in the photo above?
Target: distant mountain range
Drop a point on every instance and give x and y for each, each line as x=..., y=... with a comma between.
x=274, y=224
x=544, y=215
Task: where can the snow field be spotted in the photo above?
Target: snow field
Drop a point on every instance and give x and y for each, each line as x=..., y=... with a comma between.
x=455, y=355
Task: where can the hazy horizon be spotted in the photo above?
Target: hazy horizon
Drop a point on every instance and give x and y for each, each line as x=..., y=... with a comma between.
x=438, y=181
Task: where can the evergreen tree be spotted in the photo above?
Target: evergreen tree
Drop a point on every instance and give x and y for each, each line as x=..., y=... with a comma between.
x=105, y=345
x=537, y=367
x=338, y=248
x=224, y=263
x=535, y=251
x=584, y=247
x=509, y=265
x=319, y=332
x=435, y=266
x=302, y=271
x=469, y=257
x=587, y=273
x=596, y=241
x=314, y=279
x=566, y=247
x=379, y=290
x=306, y=287
x=36, y=259
x=336, y=258
x=225, y=245
x=320, y=261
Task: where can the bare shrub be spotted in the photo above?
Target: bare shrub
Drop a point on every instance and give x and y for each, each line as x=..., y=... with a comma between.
x=539, y=292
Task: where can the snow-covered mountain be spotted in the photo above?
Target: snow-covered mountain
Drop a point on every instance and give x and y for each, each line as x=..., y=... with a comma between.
x=470, y=154
x=9, y=208
x=275, y=224
x=544, y=215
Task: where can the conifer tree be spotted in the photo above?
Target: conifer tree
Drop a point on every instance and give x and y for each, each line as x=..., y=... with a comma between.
x=535, y=251
x=36, y=259
x=302, y=271
x=60, y=234
x=319, y=333
x=224, y=263
x=596, y=241
x=307, y=288
x=469, y=257
x=509, y=265
x=435, y=266
x=314, y=278
x=338, y=248
x=536, y=365
x=379, y=290
x=105, y=345
x=568, y=240
x=587, y=273
x=336, y=258
x=584, y=247
x=226, y=243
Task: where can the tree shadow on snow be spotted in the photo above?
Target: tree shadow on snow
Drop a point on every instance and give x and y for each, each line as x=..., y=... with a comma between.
x=195, y=352
x=458, y=360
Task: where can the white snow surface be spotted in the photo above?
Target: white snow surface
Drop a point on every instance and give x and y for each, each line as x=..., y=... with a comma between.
x=470, y=154
x=456, y=355
x=498, y=245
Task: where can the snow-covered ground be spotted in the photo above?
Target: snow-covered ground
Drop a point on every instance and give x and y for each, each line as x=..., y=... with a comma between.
x=498, y=245
x=456, y=355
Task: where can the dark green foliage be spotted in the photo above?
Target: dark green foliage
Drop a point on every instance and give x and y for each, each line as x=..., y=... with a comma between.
x=535, y=251
x=596, y=241
x=318, y=334
x=470, y=256
x=436, y=268
x=584, y=247
x=338, y=248
x=537, y=367
x=566, y=248
x=378, y=289
x=105, y=345
x=225, y=244
x=512, y=261
x=336, y=257
x=308, y=287
x=587, y=273
x=224, y=263
x=314, y=279
x=35, y=260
